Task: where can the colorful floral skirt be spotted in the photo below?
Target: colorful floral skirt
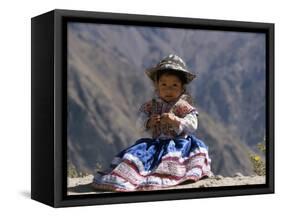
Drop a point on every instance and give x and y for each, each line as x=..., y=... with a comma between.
x=156, y=163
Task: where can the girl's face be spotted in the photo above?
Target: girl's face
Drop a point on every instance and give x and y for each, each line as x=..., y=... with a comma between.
x=169, y=87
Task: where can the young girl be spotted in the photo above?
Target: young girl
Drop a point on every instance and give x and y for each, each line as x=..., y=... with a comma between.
x=173, y=155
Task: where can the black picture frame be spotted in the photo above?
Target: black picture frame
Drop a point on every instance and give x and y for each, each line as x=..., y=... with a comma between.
x=49, y=98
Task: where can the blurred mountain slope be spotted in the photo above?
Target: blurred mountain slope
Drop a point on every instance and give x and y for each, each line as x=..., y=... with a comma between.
x=107, y=84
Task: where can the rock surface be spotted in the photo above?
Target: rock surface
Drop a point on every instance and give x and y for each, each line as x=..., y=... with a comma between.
x=83, y=185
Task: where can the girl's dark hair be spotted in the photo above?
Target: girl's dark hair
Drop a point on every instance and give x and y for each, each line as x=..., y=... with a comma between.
x=171, y=72
x=181, y=76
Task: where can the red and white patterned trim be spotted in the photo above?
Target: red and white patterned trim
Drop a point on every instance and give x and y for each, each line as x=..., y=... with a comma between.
x=129, y=174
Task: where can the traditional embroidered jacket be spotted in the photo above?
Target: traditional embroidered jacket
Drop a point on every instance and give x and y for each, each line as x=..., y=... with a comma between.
x=184, y=112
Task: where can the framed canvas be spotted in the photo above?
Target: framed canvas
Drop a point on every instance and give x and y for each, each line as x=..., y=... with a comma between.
x=134, y=108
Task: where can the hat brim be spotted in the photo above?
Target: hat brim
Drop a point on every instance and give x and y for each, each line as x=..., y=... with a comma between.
x=152, y=72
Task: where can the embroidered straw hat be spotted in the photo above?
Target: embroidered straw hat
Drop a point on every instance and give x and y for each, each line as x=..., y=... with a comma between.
x=171, y=62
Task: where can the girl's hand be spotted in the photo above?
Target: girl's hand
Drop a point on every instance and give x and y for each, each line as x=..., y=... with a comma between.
x=169, y=118
x=153, y=121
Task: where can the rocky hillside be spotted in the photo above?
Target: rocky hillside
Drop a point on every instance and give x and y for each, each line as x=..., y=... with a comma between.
x=106, y=85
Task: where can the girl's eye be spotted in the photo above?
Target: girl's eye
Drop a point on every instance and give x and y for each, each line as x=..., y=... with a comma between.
x=175, y=85
x=163, y=84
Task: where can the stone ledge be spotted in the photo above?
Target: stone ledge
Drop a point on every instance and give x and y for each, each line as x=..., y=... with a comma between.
x=77, y=186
